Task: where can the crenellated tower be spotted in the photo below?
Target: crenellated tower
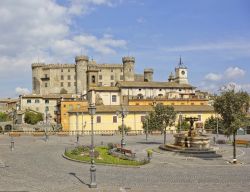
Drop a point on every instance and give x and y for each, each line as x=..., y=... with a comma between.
x=148, y=75
x=128, y=68
x=81, y=74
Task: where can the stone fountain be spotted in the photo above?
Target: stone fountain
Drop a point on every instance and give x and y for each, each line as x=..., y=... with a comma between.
x=191, y=143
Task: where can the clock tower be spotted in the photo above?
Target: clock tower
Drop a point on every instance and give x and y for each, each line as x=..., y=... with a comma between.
x=181, y=73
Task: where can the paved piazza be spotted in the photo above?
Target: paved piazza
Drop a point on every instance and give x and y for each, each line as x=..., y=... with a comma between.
x=35, y=165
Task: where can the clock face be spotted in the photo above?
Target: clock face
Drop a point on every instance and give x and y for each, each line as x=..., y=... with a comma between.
x=183, y=72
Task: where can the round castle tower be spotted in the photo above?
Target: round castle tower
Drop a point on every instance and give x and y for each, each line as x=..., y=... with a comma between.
x=128, y=68
x=81, y=76
x=148, y=75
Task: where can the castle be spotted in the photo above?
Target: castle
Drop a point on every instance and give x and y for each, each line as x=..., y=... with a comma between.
x=78, y=78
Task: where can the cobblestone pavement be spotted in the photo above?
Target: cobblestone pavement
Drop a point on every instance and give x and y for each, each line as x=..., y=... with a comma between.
x=35, y=165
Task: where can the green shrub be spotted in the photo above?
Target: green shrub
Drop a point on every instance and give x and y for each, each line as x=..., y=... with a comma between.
x=110, y=145
x=33, y=118
x=4, y=117
x=126, y=129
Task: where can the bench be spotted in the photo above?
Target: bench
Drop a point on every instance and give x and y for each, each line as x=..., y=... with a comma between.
x=126, y=151
x=242, y=142
x=107, y=134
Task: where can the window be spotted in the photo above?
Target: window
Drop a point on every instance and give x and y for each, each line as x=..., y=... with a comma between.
x=62, y=78
x=69, y=84
x=114, y=119
x=130, y=70
x=112, y=77
x=47, y=108
x=46, y=75
x=142, y=118
x=93, y=79
x=68, y=70
x=29, y=101
x=100, y=77
x=112, y=70
x=121, y=77
x=61, y=84
x=68, y=77
x=61, y=70
x=179, y=89
x=139, y=89
x=46, y=101
x=37, y=101
x=159, y=89
x=98, y=119
x=121, y=70
x=46, y=85
x=113, y=98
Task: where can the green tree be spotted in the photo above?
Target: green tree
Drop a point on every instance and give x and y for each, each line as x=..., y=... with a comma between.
x=32, y=118
x=161, y=118
x=211, y=124
x=233, y=107
x=126, y=129
x=184, y=125
x=4, y=117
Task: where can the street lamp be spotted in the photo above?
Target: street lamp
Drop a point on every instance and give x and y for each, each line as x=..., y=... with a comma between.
x=122, y=113
x=77, y=132
x=92, y=111
x=12, y=142
x=180, y=121
x=46, y=122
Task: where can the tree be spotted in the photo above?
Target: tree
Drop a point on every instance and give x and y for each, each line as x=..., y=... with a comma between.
x=183, y=126
x=233, y=107
x=33, y=118
x=211, y=124
x=126, y=129
x=161, y=118
x=4, y=117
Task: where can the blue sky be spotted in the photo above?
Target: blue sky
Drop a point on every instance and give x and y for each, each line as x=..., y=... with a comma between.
x=211, y=36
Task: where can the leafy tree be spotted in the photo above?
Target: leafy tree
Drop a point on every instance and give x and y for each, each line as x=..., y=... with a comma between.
x=211, y=124
x=184, y=125
x=161, y=118
x=4, y=117
x=33, y=118
x=126, y=128
x=233, y=107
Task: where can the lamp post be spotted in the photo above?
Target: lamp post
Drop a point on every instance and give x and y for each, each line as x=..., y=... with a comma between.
x=77, y=131
x=122, y=113
x=92, y=111
x=46, y=122
x=180, y=121
x=217, y=127
x=12, y=142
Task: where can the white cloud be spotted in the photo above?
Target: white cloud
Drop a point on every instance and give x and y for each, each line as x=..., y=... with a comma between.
x=41, y=29
x=236, y=87
x=227, y=45
x=234, y=72
x=22, y=91
x=213, y=77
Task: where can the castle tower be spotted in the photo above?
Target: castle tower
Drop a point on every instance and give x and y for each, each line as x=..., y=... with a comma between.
x=148, y=75
x=92, y=77
x=171, y=77
x=128, y=68
x=36, y=77
x=181, y=75
x=81, y=76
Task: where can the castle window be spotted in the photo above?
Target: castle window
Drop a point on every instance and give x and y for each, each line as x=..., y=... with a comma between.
x=140, y=96
x=46, y=75
x=68, y=70
x=100, y=70
x=112, y=77
x=112, y=70
x=130, y=70
x=121, y=70
x=61, y=70
x=68, y=77
x=62, y=78
x=93, y=79
x=69, y=84
x=100, y=77
x=121, y=77
x=159, y=89
x=114, y=119
x=29, y=101
x=139, y=89
x=46, y=101
x=37, y=101
x=179, y=89
x=61, y=84
x=160, y=95
x=46, y=85
x=98, y=119
x=113, y=98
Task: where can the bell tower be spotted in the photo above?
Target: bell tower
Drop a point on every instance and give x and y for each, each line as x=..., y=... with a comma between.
x=181, y=75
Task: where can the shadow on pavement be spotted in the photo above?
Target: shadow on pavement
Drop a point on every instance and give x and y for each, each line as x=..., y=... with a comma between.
x=74, y=175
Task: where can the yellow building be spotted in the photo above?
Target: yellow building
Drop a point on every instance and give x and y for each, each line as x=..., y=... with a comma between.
x=106, y=120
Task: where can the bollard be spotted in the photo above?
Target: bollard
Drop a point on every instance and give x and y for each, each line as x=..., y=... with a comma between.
x=12, y=145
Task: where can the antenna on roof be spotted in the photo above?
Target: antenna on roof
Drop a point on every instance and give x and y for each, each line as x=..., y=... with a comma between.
x=180, y=62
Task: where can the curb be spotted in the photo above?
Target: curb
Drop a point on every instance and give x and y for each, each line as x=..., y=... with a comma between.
x=112, y=165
